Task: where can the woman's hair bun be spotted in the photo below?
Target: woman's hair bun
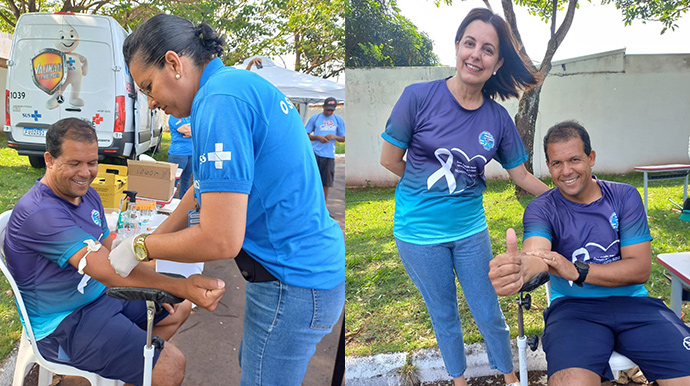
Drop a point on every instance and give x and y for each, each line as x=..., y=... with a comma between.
x=209, y=39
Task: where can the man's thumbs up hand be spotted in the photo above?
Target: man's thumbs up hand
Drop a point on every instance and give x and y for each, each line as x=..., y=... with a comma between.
x=505, y=270
x=511, y=242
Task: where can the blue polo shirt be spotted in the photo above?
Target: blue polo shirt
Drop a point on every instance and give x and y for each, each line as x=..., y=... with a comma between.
x=179, y=145
x=593, y=233
x=249, y=138
x=439, y=197
x=44, y=231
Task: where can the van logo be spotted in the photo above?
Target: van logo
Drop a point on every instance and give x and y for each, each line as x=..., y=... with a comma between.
x=48, y=70
x=97, y=119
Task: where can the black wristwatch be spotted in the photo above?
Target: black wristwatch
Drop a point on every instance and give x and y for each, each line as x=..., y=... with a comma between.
x=583, y=270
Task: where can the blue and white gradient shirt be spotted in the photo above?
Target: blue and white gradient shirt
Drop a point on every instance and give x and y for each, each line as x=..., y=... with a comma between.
x=44, y=231
x=439, y=197
x=249, y=138
x=593, y=233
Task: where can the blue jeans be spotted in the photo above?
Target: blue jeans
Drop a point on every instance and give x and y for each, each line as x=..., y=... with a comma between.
x=282, y=325
x=183, y=162
x=431, y=268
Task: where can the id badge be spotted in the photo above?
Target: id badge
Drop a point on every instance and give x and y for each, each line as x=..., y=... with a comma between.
x=193, y=218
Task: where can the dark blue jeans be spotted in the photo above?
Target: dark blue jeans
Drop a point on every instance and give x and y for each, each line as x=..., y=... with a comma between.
x=282, y=325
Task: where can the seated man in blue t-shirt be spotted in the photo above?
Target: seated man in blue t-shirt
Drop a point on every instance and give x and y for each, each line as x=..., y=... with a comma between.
x=592, y=237
x=57, y=247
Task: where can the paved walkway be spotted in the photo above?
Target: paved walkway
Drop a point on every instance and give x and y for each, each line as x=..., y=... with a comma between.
x=211, y=340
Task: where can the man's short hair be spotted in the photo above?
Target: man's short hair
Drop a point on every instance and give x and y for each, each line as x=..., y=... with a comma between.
x=74, y=129
x=563, y=131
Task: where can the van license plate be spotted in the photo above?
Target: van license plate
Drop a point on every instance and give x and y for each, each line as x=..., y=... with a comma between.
x=34, y=132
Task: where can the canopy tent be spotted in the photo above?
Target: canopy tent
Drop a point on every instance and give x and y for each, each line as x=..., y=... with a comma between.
x=302, y=89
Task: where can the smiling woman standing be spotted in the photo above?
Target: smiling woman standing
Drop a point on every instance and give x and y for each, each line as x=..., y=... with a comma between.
x=257, y=197
x=450, y=129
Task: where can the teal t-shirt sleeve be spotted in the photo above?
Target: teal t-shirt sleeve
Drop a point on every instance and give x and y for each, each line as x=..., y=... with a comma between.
x=55, y=236
x=226, y=158
x=401, y=122
x=535, y=223
x=633, y=219
x=511, y=151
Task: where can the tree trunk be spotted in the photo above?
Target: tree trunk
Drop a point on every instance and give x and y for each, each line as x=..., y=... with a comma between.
x=525, y=120
x=526, y=117
x=298, y=52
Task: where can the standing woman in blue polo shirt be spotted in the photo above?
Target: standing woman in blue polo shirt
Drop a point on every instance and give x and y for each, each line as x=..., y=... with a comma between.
x=254, y=170
x=450, y=129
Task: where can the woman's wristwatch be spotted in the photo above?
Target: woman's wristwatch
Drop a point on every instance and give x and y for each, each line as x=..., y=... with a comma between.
x=140, y=251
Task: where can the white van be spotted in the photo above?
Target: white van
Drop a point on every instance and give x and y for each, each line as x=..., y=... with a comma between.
x=71, y=65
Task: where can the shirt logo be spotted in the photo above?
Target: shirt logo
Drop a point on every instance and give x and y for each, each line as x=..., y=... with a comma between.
x=447, y=168
x=602, y=257
x=686, y=343
x=486, y=140
x=327, y=125
x=614, y=220
x=96, y=217
x=217, y=156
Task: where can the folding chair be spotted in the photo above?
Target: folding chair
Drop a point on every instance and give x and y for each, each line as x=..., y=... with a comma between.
x=618, y=362
x=28, y=350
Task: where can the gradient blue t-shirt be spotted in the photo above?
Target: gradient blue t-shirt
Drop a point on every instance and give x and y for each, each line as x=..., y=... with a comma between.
x=44, y=231
x=439, y=197
x=320, y=124
x=179, y=145
x=249, y=138
x=593, y=233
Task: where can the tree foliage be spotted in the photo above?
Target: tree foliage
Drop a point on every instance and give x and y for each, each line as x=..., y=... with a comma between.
x=664, y=11
x=311, y=30
x=377, y=35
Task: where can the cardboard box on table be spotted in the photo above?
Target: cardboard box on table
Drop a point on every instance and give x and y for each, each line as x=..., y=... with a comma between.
x=150, y=179
x=110, y=182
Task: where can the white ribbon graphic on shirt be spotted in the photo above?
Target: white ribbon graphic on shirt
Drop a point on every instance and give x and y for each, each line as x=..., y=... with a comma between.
x=584, y=252
x=444, y=171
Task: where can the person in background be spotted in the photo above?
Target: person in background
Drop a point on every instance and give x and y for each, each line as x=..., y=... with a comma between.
x=255, y=62
x=324, y=130
x=180, y=151
x=56, y=248
x=256, y=197
x=592, y=237
x=450, y=129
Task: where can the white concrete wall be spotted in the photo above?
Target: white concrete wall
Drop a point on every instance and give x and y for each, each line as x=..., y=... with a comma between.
x=635, y=107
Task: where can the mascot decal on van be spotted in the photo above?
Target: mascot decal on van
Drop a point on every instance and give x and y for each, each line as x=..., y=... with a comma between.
x=72, y=67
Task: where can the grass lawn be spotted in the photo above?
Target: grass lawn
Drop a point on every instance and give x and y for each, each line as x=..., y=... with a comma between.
x=386, y=313
x=16, y=178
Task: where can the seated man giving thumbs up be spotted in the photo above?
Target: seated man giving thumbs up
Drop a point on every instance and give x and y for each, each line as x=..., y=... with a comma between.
x=592, y=237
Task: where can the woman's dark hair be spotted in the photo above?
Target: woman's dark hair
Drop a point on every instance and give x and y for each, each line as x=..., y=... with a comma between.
x=163, y=33
x=73, y=129
x=563, y=131
x=517, y=72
